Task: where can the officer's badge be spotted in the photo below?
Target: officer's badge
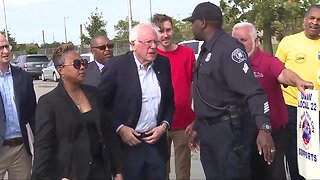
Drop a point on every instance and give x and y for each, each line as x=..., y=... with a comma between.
x=300, y=58
x=238, y=55
x=208, y=57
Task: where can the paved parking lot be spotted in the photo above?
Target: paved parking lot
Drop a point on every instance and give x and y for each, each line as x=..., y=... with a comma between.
x=196, y=168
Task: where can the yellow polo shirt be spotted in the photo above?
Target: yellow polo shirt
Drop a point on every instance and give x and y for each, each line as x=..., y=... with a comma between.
x=301, y=55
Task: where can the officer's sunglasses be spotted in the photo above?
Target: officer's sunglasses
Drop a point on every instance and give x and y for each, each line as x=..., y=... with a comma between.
x=77, y=63
x=103, y=47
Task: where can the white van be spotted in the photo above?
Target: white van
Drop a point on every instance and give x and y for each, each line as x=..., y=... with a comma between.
x=88, y=56
x=194, y=45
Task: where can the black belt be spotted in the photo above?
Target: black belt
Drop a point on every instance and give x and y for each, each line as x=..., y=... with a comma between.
x=142, y=135
x=211, y=121
x=13, y=142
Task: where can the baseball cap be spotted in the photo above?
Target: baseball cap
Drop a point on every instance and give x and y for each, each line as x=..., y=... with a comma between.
x=207, y=11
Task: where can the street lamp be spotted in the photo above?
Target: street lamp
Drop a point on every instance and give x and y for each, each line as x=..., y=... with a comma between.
x=65, y=29
x=5, y=20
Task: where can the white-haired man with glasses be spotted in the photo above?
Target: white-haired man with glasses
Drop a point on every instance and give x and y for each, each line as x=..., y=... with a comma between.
x=137, y=87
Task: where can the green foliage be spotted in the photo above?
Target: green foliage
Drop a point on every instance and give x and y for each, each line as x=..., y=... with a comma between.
x=182, y=31
x=272, y=17
x=122, y=29
x=32, y=49
x=12, y=41
x=96, y=26
x=51, y=45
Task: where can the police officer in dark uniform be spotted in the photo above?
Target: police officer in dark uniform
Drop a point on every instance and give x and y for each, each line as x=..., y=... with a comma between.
x=226, y=97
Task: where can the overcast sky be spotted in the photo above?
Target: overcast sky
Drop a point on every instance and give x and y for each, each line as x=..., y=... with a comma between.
x=27, y=18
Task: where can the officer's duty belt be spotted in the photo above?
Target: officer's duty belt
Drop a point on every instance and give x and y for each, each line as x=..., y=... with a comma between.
x=211, y=121
x=224, y=117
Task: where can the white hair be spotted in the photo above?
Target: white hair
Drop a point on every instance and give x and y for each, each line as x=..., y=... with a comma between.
x=136, y=30
x=252, y=28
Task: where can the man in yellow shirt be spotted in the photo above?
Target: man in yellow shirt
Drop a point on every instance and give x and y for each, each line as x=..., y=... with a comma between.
x=300, y=53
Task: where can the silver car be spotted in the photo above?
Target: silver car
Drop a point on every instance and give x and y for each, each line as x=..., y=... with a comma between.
x=32, y=63
x=50, y=72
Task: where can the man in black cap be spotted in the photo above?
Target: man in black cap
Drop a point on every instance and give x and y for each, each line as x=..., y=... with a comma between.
x=225, y=93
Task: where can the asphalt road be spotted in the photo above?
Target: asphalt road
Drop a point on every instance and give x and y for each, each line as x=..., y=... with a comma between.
x=42, y=88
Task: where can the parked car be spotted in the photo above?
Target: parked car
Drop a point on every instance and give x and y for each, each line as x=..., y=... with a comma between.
x=50, y=73
x=194, y=45
x=32, y=63
x=87, y=56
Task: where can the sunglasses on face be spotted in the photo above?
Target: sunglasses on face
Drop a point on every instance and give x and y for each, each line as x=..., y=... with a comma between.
x=77, y=63
x=103, y=47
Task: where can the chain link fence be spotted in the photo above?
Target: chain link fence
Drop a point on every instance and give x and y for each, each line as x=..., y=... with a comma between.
x=120, y=47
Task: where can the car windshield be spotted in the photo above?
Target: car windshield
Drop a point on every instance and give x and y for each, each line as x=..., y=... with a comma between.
x=193, y=45
x=37, y=59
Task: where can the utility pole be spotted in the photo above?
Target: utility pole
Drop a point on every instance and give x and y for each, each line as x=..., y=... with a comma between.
x=65, y=29
x=150, y=11
x=129, y=15
x=43, y=41
x=5, y=20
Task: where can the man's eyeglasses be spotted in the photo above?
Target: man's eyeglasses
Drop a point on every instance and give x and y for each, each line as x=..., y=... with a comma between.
x=149, y=42
x=77, y=63
x=103, y=47
x=7, y=46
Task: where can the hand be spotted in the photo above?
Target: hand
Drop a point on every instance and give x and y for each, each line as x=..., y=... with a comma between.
x=266, y=146
x=194, y=144
x=128, y=135
x=302, y=85
x=189, y=129
x=118, y=177
x=155, y=134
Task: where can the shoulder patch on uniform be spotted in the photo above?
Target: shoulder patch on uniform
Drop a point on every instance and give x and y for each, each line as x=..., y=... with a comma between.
x=245, y=68
x=238, y=55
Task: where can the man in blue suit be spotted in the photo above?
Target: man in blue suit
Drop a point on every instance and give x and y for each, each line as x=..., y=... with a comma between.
x=137, y=87
x=102, y=51
x=17, y=108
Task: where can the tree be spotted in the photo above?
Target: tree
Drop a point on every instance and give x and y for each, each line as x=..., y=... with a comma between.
x=12, y=41
x=95, y=27
x=32, y=49
x=182, y=30
x=271, y=17
x=122, y=29
x=51, y=45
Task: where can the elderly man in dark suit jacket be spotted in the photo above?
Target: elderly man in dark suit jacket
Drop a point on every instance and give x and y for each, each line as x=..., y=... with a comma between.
x=138, y=88
x=17, y=108
x=102, y=50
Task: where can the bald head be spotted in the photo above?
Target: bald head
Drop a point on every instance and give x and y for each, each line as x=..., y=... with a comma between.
x=246, y=33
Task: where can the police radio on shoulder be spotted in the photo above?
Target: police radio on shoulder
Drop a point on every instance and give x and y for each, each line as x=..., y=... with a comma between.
x=266, y=127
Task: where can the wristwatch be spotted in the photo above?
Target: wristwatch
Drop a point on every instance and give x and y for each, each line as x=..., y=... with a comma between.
x=166, y=126
x=266, y=127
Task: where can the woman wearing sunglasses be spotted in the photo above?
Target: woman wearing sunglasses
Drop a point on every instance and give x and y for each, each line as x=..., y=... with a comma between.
x=74, y=139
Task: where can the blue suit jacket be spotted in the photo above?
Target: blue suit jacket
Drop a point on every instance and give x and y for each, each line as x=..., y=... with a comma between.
x=25, y=102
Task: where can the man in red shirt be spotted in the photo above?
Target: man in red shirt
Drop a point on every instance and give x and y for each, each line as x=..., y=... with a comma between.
x=181, y=60
x=270, y=72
